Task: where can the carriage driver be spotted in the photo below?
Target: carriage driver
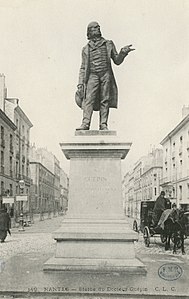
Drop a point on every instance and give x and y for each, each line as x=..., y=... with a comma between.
x=161, y=205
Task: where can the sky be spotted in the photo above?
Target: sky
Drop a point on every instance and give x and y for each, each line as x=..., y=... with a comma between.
x=40, y=55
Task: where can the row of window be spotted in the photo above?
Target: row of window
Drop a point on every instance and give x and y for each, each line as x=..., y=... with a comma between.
x=2, y=165
x=180, y=143
x=23, y=132
x=3, y=138
x=11, y=136
x=146, y=193
x=2, y=162
x=11, y=142
x=45, y=176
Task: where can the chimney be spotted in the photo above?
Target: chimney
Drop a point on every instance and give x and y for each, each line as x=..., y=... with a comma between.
x=185, y=111
x=10, y=105
x=2, y=92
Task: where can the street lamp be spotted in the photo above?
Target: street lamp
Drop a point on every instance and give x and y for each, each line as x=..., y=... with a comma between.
x=21, y=191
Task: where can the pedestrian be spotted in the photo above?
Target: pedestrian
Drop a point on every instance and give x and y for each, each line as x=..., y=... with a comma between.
x=12, y=212
x=97, y=89
x=5, y=224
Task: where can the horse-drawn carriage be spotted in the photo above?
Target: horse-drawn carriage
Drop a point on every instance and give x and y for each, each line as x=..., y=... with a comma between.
x=172, y=230
x=145, y=223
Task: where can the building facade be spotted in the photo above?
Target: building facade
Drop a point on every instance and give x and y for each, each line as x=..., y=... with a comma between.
x=42, y=199
x=50, y=183
x=57, y=188
x=128, y=193
x=7, y=157
x=142, y=183
x=152, y=174
x=175, y=179
x=15, y=137
x=22, y=144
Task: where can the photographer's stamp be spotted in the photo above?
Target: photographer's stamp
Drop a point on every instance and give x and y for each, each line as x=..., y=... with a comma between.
x=170, y=271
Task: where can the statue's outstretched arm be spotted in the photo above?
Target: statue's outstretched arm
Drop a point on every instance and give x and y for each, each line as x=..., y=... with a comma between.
x=118, y=58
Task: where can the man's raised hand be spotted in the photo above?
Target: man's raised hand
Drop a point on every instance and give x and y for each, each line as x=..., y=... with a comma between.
x=127, y=49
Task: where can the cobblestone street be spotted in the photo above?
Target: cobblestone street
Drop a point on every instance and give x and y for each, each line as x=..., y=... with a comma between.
x=37, y=238
x=19, y=244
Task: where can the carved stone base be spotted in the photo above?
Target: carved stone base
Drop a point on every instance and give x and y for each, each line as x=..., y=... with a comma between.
x=95, y=245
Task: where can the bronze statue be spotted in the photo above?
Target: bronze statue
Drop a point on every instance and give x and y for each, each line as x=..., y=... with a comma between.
x=97, y=89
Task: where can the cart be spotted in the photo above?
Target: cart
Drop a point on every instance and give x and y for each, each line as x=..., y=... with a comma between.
x=145, y=224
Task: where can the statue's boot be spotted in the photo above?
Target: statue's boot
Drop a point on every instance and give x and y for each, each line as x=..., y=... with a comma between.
x=103, y=128
x=83, y=127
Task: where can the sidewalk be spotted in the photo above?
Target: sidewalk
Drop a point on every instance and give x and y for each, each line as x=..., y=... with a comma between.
x=22, y=274
x=38, y=225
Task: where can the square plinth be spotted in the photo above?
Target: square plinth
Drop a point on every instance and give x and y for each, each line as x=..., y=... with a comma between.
x=95, y=189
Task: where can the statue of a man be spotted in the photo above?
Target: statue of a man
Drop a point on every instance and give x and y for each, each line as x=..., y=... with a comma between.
x=97, y=89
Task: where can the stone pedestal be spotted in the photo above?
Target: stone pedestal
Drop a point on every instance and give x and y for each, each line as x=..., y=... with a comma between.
x=95, y=235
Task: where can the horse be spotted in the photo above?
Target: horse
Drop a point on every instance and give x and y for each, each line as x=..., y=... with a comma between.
x=174, y=229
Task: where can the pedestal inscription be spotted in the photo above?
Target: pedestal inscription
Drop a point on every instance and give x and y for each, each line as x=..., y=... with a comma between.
x=94, y=186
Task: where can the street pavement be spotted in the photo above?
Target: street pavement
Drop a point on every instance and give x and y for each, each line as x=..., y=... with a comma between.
x=23, y=254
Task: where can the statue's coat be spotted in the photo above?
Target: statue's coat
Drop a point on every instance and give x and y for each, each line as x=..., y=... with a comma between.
x=85, y=71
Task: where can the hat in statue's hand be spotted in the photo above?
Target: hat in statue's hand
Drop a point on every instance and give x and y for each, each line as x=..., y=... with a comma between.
x=79, y=98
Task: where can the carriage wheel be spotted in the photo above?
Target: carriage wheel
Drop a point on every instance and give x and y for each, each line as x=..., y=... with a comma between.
x=135, y=226
x=146, y=235
x=163, y=238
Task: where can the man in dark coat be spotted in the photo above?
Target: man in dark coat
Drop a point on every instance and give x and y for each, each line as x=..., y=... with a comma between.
x=5, y=224
x=97, y=88
x=159, y=207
